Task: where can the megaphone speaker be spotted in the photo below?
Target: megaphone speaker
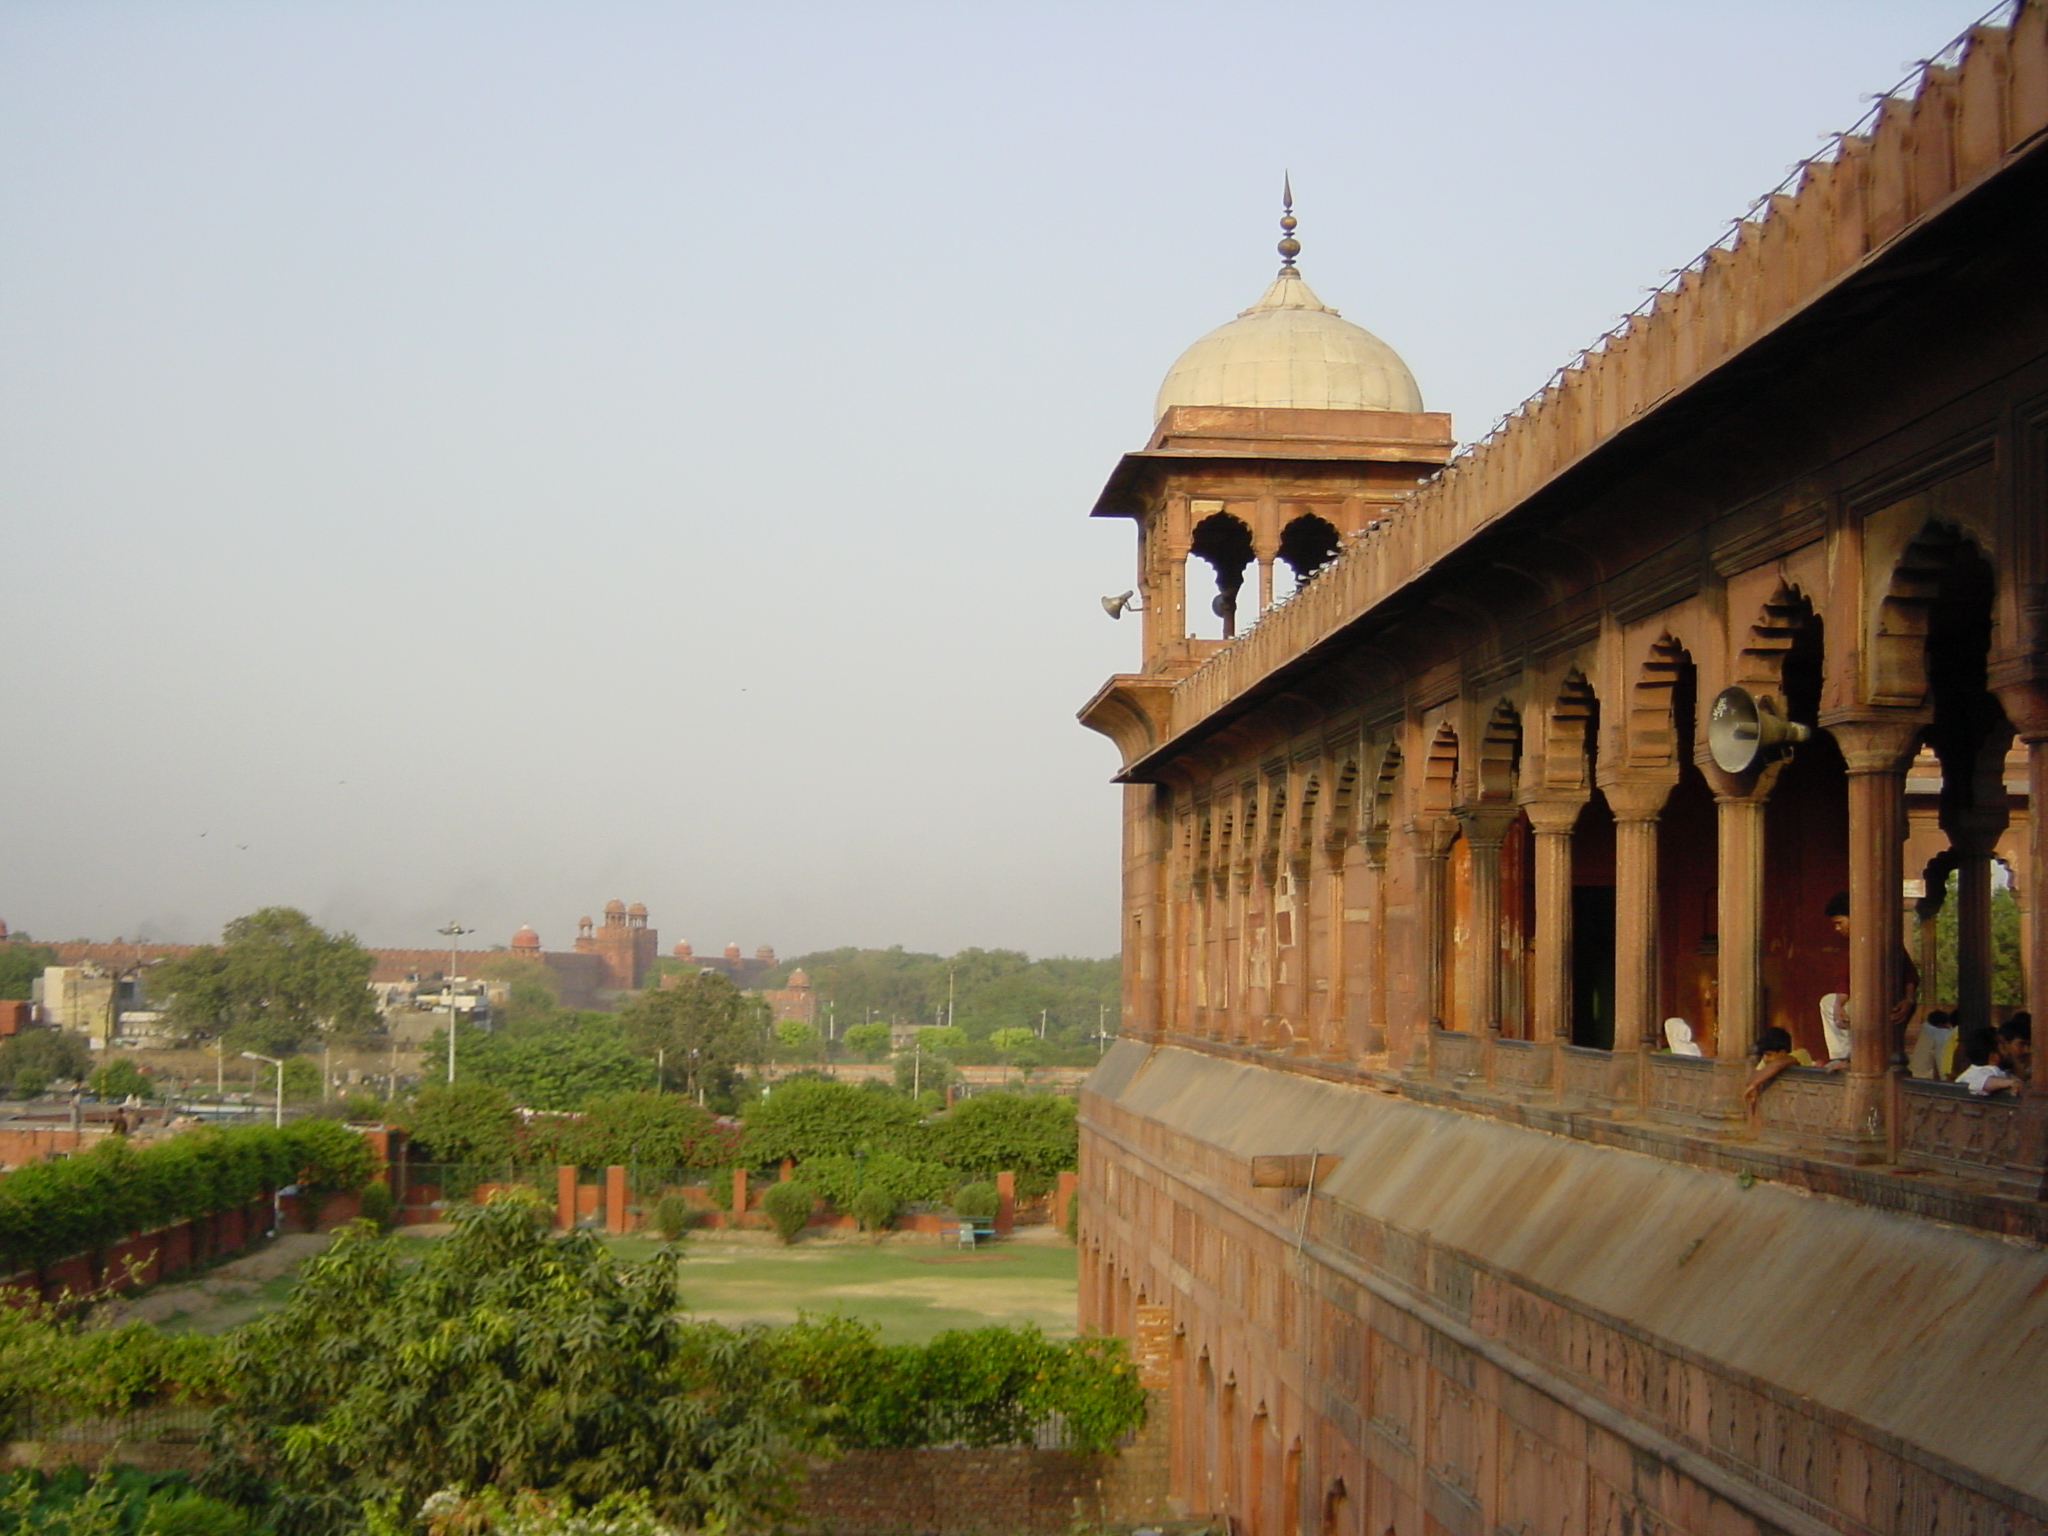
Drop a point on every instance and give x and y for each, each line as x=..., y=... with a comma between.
x=1745, y=731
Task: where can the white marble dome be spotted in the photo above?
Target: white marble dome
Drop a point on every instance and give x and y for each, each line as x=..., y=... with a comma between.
x=1291, y=350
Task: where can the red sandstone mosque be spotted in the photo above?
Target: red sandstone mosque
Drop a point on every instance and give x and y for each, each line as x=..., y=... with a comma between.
x=1450, y=775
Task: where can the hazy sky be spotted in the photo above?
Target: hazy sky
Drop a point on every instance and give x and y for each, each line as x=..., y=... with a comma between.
x=477, y=460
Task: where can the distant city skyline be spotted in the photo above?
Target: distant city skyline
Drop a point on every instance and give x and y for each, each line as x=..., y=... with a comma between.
x=476, y=461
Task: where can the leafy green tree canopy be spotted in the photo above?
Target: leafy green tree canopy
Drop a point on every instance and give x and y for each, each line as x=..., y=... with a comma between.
x=871, y=1040
x=20, y=965
x=509, y=1358
x=463, y=1122
x=644, y=1129
x=1025, y=1134
x=118, y=1077
x=558, y=1070
x=273, y=980
x=813, y=1117
x=44, y=1055
x=705, y=1028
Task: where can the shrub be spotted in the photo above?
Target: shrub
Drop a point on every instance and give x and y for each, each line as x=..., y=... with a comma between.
x=118, y=1078
x=838, y=1178
x=873, y=1207
x=194, y=1514
x=51, y=1210
x=788, y=1206
x=976, y=1202
x=377, y=1202
x=673, y=1216
x=29, y=1082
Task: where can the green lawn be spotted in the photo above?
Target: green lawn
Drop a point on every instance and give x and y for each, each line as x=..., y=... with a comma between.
x=912, y=1289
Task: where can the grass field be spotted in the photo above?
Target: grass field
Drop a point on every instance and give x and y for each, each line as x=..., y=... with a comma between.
x=913, y=1290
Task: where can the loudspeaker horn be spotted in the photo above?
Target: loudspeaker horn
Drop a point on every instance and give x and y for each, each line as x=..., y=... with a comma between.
x=1745, y=731
x=1115, y=606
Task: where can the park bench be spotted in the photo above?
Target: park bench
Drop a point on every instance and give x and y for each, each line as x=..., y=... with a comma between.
x=970, y=1233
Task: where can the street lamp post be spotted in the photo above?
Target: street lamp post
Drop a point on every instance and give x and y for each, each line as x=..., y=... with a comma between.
x=453, y=933
x=278, y=1119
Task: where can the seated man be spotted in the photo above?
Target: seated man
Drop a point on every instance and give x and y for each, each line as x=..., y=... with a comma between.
x=1774, y=1055
x=2016, y=1045
x=1834, y=1008
x=1984, y=1076
x=1932, y=1050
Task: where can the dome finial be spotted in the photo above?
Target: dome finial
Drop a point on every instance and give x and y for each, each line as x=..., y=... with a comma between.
x=1289, y=246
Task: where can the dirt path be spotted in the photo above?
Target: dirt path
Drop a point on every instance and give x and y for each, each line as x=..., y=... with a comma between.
x=232, y=1293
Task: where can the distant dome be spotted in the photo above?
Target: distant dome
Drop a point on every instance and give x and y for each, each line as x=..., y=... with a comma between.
x=526, y=938
x=683, y=950
x=799, y=977
x=732, y=951
x=1290, y=350
x=636, y=910
x=614, y=905
x=765, y=952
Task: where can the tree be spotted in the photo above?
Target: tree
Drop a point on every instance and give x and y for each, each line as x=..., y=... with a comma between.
x=273, y=980
x=463, y=1122
x=44, y=1054
x=1031, y=1135
x=706, y=1029
x=660, y=1132
x=1010, y=1041
x=21, y=965
x=941, y=1039
x=796, y=1039
x=871, y=1040
x=812, y=1118
x=506, y=1358
x=554, y=1071
x=117, y=1078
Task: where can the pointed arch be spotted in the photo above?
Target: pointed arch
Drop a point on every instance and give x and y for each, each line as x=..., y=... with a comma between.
x=1782, y=653
x=1571, y=736
x=1340, y=817
x=1499, y=761
x=1440, y=772
x=1655, y=707
x=1940, y=566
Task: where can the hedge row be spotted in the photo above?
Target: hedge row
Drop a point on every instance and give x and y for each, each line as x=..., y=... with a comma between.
x=50, y=1211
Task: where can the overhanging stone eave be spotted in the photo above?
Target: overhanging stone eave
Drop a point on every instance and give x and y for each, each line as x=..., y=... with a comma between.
x=1935, y=237
x=1121, y=493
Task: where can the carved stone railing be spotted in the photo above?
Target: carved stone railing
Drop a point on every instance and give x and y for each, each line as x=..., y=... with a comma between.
x=1453, y=1054
x=1682, y=1088
x=1520, y=1065
x=1949, y=1129
x=1802, y=1105
x=1584, y=1073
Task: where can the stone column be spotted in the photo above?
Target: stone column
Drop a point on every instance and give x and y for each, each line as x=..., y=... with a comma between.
x=1485, y=828
x=1877, y=754
x=1364, y=886
x=1638, y=1025
x=1739, y=802
x=1553, y=821
x=2026, y=706
x=1327, y=969
x=1432, y=839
